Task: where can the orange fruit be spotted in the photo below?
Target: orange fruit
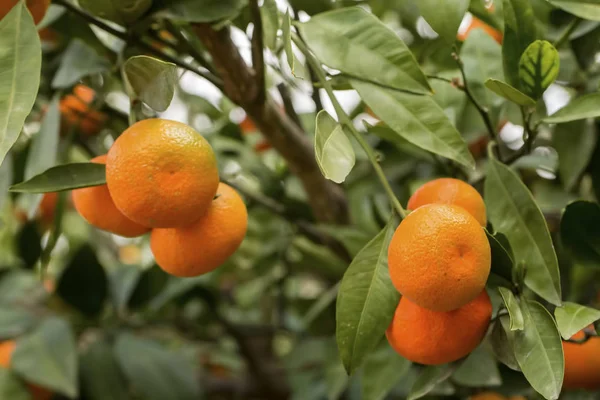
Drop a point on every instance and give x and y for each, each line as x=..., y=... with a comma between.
x=476, y=23
x=203, y=246
x=248, y=126
x=433, y=338
x=37, y=8
x=439, y=257
x=263, y=146
x=450, y=191
x=494, y=396
x=76, y=111
x=162, y=173
x=582, y=363
x=6, y=350
x=96, y=206
x=47, y=208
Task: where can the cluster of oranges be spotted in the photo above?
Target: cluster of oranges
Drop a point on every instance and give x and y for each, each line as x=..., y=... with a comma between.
x=439, y=259
x=162, y=176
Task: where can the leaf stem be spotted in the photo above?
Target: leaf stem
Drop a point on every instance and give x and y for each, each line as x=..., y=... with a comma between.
x=567, y=32
x=54, y=234
x=346, y=121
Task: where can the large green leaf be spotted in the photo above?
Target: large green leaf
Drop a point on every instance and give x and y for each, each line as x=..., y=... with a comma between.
x=201, y=10
x=514, y=309
x=335, y=375
x=122, y=12
x=580, y=108
x=482, y=59
x=100, y=375
x=514, y=212
x=519, y=33
x=150, y=80
x=382, y=370
x=20, y=63
x=479, y=369
x=6, y=176
x=11, y=387
x=79, y=60
x=444, y=16
x=48, y=357
x=428, y=379
x=64, y=177
x=502, y=261
x=270, y=21
x=580, y=232
x=502, y=339
x=286, y=29
x=418, y=119
x=333, y=150
x=366, y=301
x=357, y=43
x=14, y=321
x=155, y=372
x=586, y=9
x=538, y=350
x=538, y=68
x=575, y=143
x=572, y=317
x=509, y=93
x=44, y=146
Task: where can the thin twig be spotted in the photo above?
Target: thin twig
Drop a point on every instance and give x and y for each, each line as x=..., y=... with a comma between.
x=189, y=46
x=138, y=41
x=567, y=32
x=258, y=54
x=530, y=133
x=288, y=104
x=440, y=78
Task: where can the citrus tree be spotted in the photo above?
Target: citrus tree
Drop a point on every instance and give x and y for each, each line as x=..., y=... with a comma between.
x=352, y=199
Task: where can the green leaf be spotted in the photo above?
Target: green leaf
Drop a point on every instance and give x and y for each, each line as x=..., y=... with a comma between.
x=64, y=177
x=333, y=150
x=417, y=119
x=357, y=43
x=83, y=283
x=48, y=357
x=155, y=372
x=123, y=281
x=586, y=9
x=270, y=21
x=575, y=143
x=482, y=60
x=150, y=80
x=14, y=321
x=502, y=339
x=519, y=33
x=6, y=176
x=581, y=108
x=100, y=375
x=512, y=210
x=79, y=60
x=513, y=307
x=44, y=146
x=286, y=28
x=21, y=64
x=572, y=317
x=366, y=301
x=538, y=350
x=479, y=369
x=382, y=370
x=428, y=379
x=11, y=387
x=509, y=92
x=335, y=375
x=201, y=10
x=580, y=232
x=444, y=16
x=538, y=68
x=122, y=12
x=502, y=262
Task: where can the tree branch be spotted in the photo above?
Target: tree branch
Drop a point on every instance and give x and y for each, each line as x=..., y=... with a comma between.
x=327, y=199
x=258, y=55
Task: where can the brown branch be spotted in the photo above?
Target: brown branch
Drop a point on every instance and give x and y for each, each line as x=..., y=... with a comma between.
x=327, y=199
x=258, y=54
x=284, y=91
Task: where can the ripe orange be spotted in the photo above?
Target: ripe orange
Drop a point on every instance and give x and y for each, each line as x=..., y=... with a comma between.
x=47, y=208
x=582, y=363
x=162, y=173
x=434, y=338
x=476, y=23
x=96, y=206
x=76, y=112
x=37, y=8
x=450, y=191
x=6, y=350
x=201, y=247
x=439, y=257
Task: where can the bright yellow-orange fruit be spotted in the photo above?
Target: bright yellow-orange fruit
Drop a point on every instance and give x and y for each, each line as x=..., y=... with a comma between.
x=433, y=338
x=203, y=246
x=96, y=206
x=76, y=111
x=6, y=350
x=162, y=173
x=582, y=363
x=439, y=257
x=476, y=23
x=450, y=191
x=37, y=8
